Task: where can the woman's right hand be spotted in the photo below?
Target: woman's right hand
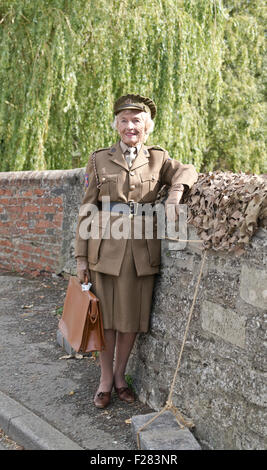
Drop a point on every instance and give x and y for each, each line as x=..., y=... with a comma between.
x=82, y=270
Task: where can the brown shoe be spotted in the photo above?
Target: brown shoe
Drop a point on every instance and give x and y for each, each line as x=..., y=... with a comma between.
x=125, y=394
x=102, y=399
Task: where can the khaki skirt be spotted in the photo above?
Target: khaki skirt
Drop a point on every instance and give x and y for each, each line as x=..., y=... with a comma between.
x=125, y=299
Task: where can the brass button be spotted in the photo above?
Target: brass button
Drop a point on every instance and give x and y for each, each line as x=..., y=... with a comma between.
x=132, y=186
x=103, y=179
x=132, y=173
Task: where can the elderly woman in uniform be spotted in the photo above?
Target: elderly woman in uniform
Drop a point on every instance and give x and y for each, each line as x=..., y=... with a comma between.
x=122, y=271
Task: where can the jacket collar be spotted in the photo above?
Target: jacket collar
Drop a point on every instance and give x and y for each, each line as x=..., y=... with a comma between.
x=117, y=157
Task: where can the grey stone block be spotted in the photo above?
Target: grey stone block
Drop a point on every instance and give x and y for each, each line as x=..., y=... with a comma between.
x=9, y=409
x=164, y=433
x=253, y=286
x=36, y=434
x=64, y=344
x=30, y=431
x=225, y=323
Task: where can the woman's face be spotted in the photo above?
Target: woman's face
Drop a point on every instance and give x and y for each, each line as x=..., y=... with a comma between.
x=131, y=126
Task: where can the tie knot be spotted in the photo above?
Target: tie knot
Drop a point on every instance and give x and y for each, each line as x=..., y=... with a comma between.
x=132, y=150
x=130, y=155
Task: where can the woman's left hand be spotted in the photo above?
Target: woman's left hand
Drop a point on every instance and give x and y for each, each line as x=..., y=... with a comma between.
x=82, y=269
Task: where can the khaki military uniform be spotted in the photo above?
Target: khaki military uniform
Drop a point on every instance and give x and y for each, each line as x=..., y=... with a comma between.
x=122, y=270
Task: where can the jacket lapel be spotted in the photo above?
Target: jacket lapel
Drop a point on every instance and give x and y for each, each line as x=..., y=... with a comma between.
x=117, y=156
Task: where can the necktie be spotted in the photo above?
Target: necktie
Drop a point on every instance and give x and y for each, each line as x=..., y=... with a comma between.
x=130, y=156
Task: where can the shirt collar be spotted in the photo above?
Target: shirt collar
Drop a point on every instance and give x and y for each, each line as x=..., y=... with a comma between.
x=125, y=147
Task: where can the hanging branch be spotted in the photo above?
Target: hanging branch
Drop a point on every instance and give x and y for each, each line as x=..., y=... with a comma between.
x=63, y=65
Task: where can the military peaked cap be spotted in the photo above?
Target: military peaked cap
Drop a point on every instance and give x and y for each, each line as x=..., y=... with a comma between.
x=137, y=102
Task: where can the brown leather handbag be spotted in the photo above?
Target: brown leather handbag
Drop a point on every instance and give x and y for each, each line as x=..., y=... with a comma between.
x=81, y=323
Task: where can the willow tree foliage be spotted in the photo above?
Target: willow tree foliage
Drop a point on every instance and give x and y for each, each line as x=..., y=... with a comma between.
x=64, y=62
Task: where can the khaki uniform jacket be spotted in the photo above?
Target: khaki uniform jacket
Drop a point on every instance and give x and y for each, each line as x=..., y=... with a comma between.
x=151, y=169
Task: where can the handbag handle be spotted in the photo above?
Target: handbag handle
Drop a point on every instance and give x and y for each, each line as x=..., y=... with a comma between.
x=94, y=311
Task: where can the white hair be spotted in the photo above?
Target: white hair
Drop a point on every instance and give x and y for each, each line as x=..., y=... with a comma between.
x=149, y=124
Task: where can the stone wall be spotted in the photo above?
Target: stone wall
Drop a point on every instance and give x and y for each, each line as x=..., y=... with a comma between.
x=220, y=385
x=221, y=381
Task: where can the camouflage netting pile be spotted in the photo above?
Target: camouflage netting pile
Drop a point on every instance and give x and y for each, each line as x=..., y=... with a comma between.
x=227, y=209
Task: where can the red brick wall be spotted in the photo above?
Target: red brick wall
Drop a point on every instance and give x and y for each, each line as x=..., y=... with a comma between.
x=33, y=205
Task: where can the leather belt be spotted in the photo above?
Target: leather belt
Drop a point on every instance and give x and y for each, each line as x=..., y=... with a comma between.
x=129, y=208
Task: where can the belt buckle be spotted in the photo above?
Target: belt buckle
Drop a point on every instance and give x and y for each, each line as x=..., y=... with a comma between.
x=133, y=208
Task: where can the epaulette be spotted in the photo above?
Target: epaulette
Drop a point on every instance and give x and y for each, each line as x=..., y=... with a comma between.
x=100, y=150
x=156, y=147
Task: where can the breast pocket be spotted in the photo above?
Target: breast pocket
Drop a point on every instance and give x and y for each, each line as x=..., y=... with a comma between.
x=150, y=186
x=108, y=186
